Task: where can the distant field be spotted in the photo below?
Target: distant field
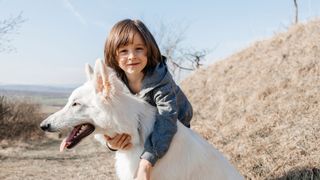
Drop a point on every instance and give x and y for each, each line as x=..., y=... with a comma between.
x=49, y=101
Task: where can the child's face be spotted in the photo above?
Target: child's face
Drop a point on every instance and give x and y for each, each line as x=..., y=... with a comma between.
x=132, y=58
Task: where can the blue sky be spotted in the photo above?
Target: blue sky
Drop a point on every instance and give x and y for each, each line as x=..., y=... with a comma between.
x=60, y=36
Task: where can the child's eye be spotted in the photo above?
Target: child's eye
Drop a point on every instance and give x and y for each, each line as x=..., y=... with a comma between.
x=123, y=51
x=139, y=49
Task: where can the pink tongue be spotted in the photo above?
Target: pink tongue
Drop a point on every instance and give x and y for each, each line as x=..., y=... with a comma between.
x=63, y=144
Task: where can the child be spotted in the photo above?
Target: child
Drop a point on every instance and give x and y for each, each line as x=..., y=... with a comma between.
x=133, y=53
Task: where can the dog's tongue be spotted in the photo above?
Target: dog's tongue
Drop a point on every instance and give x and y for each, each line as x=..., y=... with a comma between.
x=63, y=144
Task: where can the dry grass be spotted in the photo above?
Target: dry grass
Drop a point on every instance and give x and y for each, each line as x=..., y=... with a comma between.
x=19, y=119
x=261, y=106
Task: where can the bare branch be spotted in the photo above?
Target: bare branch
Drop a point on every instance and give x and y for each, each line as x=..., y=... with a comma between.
x=181, y=67
x=179, y=58
x=296, y=11
x=196, y=57
x=9, y=27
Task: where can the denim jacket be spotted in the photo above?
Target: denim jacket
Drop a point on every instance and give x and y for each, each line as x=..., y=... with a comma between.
x=160, y=90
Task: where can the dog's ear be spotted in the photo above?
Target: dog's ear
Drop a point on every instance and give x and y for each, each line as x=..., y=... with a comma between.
x=101, y=78
x=89, y=72
x=98, y=83
x=106, y=81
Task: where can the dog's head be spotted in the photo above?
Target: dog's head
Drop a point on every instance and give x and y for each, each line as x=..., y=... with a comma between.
x=90, y=107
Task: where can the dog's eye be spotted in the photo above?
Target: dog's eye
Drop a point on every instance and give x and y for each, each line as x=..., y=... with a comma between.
x=75, y=104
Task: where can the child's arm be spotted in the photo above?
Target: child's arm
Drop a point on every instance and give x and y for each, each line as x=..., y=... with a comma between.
x=165, y=127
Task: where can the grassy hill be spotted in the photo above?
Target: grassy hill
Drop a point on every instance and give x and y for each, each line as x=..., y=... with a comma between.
x=261, y=106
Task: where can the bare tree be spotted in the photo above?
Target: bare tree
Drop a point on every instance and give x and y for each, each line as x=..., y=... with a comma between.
x=9, y=27
x=296, y=11
x=170, y=38
x=196, y=58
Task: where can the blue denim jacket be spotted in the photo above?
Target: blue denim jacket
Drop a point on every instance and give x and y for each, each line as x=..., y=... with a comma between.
x=160, y=90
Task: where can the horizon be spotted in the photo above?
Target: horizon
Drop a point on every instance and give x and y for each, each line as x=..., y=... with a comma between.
x=59, y=37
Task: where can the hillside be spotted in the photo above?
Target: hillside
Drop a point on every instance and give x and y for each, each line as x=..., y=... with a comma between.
x=261, y=106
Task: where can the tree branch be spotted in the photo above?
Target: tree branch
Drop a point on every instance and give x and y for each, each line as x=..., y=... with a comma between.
x=296, y=7
x=7, y=27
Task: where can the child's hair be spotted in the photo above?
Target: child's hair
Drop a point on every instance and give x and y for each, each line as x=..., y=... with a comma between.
x=122, y=34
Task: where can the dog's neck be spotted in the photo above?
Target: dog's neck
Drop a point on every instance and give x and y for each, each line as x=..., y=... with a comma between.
x=128, y=114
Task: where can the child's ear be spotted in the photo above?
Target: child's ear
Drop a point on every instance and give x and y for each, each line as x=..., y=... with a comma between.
x=89, y=72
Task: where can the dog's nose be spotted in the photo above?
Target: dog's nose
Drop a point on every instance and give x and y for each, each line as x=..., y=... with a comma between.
x=45, y=127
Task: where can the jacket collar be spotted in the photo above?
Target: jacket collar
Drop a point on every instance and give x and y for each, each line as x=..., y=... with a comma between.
x=154, y=76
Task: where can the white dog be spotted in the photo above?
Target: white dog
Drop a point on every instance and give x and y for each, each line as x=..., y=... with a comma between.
x=104, y=105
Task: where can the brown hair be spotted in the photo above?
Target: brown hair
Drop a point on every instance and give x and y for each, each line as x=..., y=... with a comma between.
x=121, y=34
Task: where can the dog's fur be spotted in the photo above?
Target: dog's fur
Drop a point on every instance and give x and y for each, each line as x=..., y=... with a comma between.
x=105, y=102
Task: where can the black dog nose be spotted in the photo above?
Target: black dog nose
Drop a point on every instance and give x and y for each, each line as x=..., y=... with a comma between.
x=45, y=127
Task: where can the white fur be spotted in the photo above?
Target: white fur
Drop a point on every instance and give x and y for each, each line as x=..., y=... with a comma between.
x=112, y=109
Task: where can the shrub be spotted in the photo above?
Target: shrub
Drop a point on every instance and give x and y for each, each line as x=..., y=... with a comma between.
x=19, y=119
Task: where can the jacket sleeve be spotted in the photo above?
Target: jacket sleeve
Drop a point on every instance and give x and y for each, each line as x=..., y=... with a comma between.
x=165, y=127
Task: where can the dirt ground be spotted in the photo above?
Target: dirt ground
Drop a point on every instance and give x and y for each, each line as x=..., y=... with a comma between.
x=42, y=160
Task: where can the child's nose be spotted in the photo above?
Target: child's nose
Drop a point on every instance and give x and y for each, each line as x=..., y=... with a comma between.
x=131, y=54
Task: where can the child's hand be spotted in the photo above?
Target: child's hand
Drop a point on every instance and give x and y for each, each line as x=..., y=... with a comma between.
x=144, y=170
x=119, y=141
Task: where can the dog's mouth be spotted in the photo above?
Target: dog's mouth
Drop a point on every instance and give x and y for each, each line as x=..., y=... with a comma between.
x=77, y=134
